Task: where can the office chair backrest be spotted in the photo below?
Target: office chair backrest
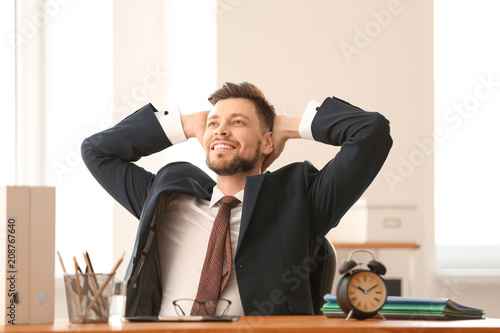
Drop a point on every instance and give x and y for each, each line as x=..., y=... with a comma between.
x=322, y=277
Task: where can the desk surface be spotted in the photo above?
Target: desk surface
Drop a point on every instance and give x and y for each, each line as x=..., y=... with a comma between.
x=274, y=324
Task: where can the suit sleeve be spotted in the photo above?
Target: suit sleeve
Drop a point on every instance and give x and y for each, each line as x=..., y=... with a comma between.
x=365, y=142
x=109, y=156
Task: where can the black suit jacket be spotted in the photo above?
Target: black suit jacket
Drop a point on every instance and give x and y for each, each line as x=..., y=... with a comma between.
x=286, y=213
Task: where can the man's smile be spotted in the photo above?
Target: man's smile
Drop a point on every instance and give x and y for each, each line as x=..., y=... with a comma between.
x=221, y=145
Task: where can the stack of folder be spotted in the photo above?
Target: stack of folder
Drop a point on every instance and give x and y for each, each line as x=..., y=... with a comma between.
x=412, y=308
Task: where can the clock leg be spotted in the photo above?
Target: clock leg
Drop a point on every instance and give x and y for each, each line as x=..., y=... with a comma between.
x=381, y=315
x=348, y=315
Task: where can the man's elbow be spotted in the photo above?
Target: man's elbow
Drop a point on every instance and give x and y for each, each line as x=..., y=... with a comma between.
x=88, y=148
x=382, y=130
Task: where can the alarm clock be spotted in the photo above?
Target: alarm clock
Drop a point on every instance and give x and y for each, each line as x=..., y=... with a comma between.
x=361, y=293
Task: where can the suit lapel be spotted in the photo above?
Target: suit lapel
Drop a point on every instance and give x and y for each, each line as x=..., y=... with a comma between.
x=198, y=184
x=252, y=188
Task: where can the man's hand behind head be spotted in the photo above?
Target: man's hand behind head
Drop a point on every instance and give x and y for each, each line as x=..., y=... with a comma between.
x=194, y=125
x=284, y=128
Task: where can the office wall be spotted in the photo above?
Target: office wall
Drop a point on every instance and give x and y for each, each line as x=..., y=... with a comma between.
x=298, y=50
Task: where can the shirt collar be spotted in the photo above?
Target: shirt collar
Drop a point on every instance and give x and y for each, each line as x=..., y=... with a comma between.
x=217, y=194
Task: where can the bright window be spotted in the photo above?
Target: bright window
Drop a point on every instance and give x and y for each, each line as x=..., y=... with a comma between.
x=78, y=95
x=7, y=94
x=467, y=114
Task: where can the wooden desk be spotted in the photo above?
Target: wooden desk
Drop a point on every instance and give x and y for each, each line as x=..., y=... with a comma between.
x=275, y=324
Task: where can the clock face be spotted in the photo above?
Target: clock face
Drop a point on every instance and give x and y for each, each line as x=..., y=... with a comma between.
x=366, y=292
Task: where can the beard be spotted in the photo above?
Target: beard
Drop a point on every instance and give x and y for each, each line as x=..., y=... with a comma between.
x=234, y=166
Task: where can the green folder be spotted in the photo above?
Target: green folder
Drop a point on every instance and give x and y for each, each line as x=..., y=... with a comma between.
x=412, y=308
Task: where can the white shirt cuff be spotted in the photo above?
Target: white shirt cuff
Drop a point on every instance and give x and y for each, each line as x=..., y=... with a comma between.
x=305, y=129
x=171, y=123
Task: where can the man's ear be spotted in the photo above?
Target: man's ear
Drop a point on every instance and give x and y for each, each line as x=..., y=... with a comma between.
x=268, y=145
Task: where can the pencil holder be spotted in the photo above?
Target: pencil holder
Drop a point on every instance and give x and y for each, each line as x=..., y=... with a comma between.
x=88, y=297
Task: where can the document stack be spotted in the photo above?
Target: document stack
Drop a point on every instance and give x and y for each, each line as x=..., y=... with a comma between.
x=412, y=308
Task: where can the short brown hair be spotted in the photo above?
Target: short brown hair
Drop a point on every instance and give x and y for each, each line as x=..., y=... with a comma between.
x=247, y=90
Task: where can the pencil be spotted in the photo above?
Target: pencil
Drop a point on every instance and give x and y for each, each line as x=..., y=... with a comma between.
x=93, y=280
x=70, y=288
x=77, y=274
x=99, y=292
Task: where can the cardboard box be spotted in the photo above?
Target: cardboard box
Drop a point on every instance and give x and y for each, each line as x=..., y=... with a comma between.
x=378, y=222
x=27, y=255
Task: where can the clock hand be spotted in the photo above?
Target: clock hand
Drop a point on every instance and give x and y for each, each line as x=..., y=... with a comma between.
x=362, y=289
x=372, y=288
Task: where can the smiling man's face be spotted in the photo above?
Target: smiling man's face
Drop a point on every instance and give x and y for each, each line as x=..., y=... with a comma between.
x=234, y=141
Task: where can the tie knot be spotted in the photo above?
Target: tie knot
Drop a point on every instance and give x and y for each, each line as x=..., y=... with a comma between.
x=229, y=200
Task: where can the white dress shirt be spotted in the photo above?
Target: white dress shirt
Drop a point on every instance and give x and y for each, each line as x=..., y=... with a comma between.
x=184, y=228
x=183, y=231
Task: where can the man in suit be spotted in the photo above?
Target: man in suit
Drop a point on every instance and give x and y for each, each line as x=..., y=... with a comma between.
x=282, y=215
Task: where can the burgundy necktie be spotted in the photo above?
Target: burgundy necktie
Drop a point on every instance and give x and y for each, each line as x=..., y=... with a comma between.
x=212, y=283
